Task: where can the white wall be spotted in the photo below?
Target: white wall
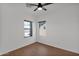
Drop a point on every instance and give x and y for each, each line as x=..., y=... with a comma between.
x=62, y=27
x=13, y=16
x=0, y=25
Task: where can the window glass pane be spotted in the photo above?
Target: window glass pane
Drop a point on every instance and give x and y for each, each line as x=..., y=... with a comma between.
x=26, y=33
x=27, y=28
x=26, y=24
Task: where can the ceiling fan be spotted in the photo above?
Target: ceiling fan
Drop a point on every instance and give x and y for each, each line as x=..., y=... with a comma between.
x=39, y=6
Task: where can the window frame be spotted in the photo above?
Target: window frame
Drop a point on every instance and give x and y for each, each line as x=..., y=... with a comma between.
x=30, y=28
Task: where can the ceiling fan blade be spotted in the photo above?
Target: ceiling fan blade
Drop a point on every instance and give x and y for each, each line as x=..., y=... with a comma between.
x=44, y=9
x=46, y=4
x=30, y=5
x=36, y=9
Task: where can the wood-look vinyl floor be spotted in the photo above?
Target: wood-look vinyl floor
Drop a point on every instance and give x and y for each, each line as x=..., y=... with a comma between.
x=38, y=49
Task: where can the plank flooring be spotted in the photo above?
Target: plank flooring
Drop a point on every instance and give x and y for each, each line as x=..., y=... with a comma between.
x=38, y=49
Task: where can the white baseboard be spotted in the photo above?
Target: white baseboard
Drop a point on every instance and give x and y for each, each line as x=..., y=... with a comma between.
x=46, y=43
x=4, y=52
x=1, y=53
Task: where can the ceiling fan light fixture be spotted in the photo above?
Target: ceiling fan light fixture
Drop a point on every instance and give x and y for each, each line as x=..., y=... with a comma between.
x=39, y=8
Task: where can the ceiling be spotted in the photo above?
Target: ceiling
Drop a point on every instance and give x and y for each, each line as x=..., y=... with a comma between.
x=51, y=9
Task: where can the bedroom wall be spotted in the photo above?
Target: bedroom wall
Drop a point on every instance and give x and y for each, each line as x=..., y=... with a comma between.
x=62, y=27
x=12, y=19
x=0, y=25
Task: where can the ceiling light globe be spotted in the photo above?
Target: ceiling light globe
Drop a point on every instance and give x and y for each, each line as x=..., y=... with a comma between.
x=39, y=8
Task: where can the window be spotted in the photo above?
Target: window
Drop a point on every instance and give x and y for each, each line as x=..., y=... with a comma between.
x=27, y=28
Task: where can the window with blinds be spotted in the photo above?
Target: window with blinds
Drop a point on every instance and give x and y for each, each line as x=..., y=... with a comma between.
x=27, y=28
